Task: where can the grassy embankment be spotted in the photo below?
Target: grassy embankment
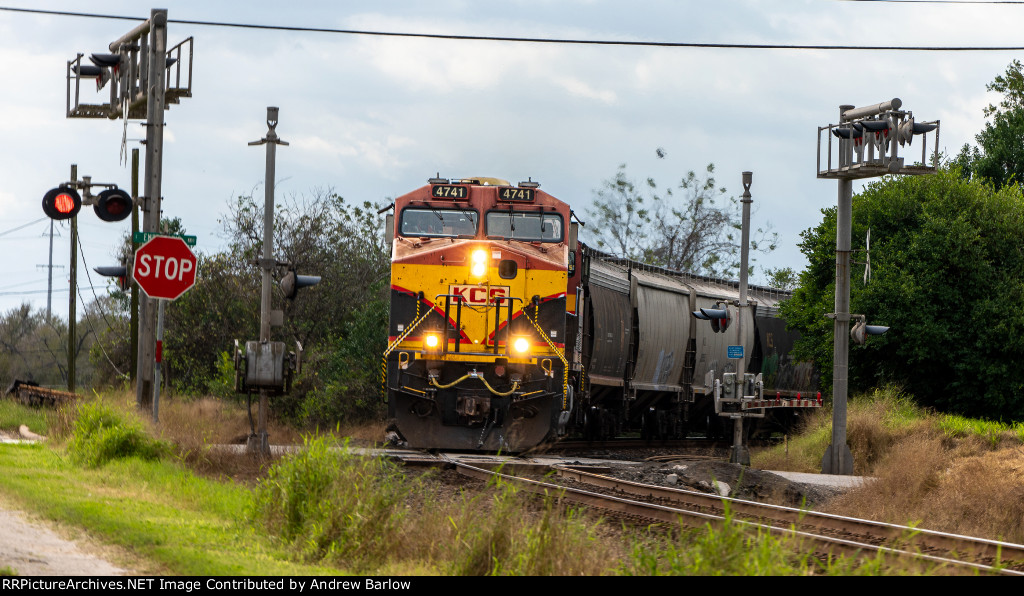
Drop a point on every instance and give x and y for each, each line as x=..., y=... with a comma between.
x=171, y=505
x=938, y=471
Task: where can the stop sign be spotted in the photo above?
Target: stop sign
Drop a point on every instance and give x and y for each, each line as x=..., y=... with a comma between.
x=164, y=267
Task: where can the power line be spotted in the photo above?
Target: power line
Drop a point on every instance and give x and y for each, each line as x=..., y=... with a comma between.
x=541, y=40
x=23, y=226
x=55, y=291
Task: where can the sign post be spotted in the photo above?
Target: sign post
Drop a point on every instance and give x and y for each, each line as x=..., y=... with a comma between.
x=165, y=268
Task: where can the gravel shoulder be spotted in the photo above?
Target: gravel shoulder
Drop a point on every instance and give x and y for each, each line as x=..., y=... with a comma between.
x=33, y=548
x=731, y=480
x=30, y=546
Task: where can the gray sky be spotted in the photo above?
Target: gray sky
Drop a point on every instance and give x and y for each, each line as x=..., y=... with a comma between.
x=373, y=117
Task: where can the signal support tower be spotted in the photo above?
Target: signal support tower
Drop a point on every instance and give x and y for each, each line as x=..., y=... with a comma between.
x=144, y=78
x=869, y=139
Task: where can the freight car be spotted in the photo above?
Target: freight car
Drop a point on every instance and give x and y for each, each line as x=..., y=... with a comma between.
x=507, y=333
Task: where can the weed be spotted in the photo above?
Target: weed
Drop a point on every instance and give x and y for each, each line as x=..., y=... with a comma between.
x=101, y=434
x=726, y=548
x=332, y=504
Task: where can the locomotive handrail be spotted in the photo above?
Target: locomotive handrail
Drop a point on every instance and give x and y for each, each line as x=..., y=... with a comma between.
x=458, y=320
x=417, y=319
x=565, y=363
x=497, y=320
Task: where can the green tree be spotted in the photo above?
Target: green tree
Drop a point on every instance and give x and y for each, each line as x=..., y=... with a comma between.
x=783, y=278
x=947, y=277
x=694, y=227
x=999, y=156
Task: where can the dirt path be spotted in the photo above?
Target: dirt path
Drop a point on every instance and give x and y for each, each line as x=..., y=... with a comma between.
x=32, y=548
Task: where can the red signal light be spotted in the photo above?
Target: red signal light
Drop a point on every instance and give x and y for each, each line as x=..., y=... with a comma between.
x=62, y=203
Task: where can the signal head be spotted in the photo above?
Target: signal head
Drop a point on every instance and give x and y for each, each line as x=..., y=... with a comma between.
x=854, y=131
x=62, y=202
x=292, y=283
x=719, y=318
x=910, y=128
x=88, y=71
x=113, y=204
x=103, y=60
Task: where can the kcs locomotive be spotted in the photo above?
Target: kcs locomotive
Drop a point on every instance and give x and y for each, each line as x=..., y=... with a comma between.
x=507, y=333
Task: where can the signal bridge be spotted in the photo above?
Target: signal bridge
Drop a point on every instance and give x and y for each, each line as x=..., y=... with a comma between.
x=869, y=142
x=128, y=76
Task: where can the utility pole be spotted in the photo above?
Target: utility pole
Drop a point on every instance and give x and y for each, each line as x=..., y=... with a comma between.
x=134, y=321
x=156, y=27
x=73, y=299
x=740, y=452
x=260, y=444
x=49, y=275
x=137, y=72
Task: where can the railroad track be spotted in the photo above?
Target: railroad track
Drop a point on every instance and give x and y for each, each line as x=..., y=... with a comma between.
x=710, y=444
x=830, y=534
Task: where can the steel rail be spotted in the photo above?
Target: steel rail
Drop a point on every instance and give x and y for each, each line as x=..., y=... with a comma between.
x=673, y=515
x=982, y=549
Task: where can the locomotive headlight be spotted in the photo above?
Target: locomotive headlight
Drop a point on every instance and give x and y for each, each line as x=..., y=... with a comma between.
x=479, y=266
x=431, y=341
x=521, y=345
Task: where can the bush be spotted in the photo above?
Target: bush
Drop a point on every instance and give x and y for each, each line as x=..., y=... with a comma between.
x=101, y=434
x=332, y=504
x=524, y=535
x=348, y=384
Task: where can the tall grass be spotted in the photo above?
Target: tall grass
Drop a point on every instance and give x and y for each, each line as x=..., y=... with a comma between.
x=102, y=434
x=942, y=472
x=518, y=534
x=721, y=549
x=993, y=433
x=732, y=548
x=330, y=503
x=332, y=509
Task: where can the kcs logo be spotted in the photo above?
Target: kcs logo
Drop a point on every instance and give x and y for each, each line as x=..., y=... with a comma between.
x=478, y=294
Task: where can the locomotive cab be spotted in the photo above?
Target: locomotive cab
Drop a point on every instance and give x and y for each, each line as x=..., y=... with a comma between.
x=476, y=354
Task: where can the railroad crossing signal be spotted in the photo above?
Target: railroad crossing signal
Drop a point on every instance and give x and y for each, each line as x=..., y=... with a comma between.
x=62, y=202
x=719, y=317
x=292, y=283
x=861, y=330
x=164, y=267
x=113, y=204
x=118, y=271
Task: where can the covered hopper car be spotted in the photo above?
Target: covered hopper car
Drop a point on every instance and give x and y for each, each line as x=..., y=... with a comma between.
x=507, y=333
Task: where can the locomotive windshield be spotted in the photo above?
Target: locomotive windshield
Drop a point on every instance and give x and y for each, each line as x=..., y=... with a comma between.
x=526, y=226
x=452, y=223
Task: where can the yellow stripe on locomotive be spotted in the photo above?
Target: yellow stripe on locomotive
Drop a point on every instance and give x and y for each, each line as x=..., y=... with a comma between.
x=476, y=357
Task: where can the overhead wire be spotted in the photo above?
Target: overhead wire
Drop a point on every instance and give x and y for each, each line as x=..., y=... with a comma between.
x=561, y=41
x=23, y=226
x=99, y=305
